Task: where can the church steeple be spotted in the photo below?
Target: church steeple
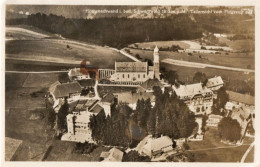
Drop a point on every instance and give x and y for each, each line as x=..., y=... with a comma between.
x=156, y=65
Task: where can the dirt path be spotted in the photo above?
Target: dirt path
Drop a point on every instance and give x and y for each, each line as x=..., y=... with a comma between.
x=36, y=72
x=18, y=29
x=216, y=148
x=247, y=152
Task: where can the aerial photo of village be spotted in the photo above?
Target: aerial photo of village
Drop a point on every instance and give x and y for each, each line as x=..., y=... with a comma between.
x=129, y=83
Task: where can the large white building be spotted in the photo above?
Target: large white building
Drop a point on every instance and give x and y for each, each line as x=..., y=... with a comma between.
x=198, y=98
x=133, y=73
x=77, y=122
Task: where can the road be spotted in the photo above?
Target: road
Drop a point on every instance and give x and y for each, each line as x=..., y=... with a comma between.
x=216, y=148
x=36, y=72
x=125, y=54
x=247, y=152
x=201, y=65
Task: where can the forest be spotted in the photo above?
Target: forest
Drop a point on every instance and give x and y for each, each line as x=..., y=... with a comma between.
x=119, y=32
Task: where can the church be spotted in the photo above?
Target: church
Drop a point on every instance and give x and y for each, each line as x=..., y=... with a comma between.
x=133, y=73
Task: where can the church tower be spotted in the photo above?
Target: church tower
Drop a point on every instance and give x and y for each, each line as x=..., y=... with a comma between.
x=156, y=66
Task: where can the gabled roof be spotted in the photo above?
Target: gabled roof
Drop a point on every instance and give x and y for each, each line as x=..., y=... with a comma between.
x=75, y=72
x=53, y=86
x=191, y=90
x=214, y=82
x=96, y=109
x=242, y=98
x=87, y=82
x=114, y=155
x=65, y=89
x=131, y=66
x=150, y=83
x=109, y=98
x=159, y=143
x=156, y=144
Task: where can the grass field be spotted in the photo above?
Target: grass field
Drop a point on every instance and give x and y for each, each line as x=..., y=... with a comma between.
x=163, y=44
x=57, y=51
x=211, y=140
x=235, y=81
x=30, y=45
x=238, y=60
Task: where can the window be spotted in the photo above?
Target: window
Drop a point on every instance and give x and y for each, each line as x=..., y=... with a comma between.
x=123, y=75
x=128, y=76
x=144, y=75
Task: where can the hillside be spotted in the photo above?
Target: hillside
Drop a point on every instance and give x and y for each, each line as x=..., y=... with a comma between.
x=28, y=47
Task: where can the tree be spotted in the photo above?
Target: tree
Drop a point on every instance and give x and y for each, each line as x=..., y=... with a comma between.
x=222, y=98
x=229, y=129
x=172, y=77
x=133, y=156
x=50, y=114
x=200, y=77
x=61, y=116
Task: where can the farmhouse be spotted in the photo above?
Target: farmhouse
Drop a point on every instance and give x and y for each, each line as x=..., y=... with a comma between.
x=155, y=146
x=133, y=73
x=215, y=83
x=59, y=91
x=113, y=155
x=243, y=115
x=198, y=98
x=76, y=74
x=70, y=90
x=237, y=100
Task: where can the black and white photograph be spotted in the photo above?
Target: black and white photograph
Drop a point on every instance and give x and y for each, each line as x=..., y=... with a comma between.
x=129, y=83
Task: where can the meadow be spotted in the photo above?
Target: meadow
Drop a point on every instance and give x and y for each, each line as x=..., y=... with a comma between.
x=212, y=150
x=238, y=60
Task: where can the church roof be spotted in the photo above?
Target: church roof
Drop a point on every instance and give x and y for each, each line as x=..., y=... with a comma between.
x=131, y=66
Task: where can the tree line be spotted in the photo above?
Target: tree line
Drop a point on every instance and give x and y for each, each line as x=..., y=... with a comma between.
x=115, y=32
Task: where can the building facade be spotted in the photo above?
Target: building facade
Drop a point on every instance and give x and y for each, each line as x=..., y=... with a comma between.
x=198, y=98
x=133, y=73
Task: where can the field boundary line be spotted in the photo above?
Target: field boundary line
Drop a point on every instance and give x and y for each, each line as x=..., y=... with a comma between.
x=216, y=148
x=35, y=72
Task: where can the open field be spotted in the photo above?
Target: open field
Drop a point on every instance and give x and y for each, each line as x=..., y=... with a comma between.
x=238, y=60
x=241, y=45
x=18, y=125
x=28, y=29
x=163, y=44
x=56, y=51
x=235, y=81
x=18, y=33
x=212, y=150
x=31, y=45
